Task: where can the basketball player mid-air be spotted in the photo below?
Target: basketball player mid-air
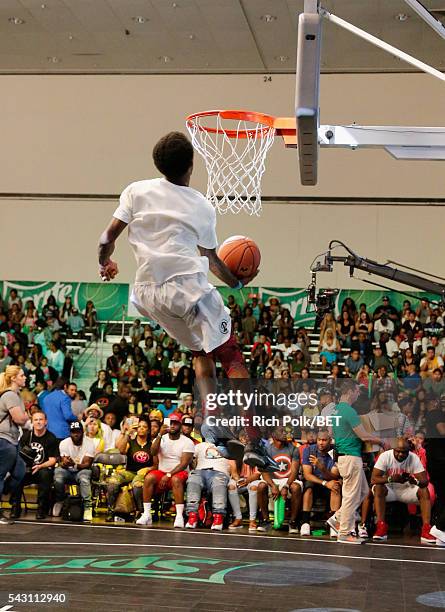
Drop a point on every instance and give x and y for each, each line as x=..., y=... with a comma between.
x=172, y=231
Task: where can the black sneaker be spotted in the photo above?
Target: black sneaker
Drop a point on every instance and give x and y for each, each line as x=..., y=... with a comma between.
x=256, y=456
x=4, y=520
x=109, y=517
x=264, y=526
x=40, y=515
x=15, y=511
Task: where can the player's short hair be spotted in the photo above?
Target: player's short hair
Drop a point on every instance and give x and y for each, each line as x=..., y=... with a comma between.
x=173, y=154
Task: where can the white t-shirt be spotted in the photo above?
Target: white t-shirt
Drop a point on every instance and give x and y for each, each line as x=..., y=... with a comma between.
x=166, y=223
x=208, y=457
x=171, y=451
x=389, y=465
x=77, y=453
x=287, y=350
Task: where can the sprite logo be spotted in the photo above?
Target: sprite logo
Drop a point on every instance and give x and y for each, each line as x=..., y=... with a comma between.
x=163, y=566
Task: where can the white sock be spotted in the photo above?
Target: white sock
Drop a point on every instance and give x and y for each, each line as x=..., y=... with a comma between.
x=179, y=510
x=147, y=508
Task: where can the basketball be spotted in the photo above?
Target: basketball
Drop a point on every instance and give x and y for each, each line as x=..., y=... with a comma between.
x=241, y=255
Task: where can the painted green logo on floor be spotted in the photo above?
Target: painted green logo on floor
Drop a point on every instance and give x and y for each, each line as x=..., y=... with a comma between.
x=160, y=566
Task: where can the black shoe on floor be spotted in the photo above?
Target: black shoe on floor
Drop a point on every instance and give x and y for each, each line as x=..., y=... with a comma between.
x=109, y=518
x=4, y=520
x=256, y=456
x=15, y=511
x=40, y=515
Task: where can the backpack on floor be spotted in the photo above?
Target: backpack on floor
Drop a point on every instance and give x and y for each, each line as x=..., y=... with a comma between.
x=72, y=509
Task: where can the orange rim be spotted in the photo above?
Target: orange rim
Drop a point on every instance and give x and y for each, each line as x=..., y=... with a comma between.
x=267, y=121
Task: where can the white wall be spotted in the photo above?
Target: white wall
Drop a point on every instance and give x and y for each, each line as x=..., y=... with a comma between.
x=94, y=135
x=57, y=240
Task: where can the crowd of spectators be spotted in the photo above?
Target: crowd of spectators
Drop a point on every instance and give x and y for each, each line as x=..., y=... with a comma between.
x=396, y=358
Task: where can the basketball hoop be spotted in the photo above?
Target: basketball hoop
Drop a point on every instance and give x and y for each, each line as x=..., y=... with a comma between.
x=234, y=148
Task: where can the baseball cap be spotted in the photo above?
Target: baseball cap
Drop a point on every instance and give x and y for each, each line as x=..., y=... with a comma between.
x=187, y=420
x=76, y=426
x=175, y=417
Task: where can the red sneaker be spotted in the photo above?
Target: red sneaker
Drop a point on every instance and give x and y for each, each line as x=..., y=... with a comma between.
x=381, y=533
x=193, y=521
x=425, y=536
x=218, y=521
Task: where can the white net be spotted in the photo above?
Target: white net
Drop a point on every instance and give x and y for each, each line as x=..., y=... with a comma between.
x=235, y=160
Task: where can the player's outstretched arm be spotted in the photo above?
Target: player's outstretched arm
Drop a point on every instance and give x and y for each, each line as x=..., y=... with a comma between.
x=108, y=268
x=220, y=270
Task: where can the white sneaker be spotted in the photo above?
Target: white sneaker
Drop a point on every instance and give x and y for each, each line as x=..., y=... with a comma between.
x=438, y=534
x=440, y=543
x=88, y=515
x=179, y=521
x=332, y=533
x=363, y=532
x=57, y=508
x=305, y=529
x=145, y=519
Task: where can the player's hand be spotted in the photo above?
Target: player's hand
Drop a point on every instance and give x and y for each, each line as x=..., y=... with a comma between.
x=108, y=271
x=248, y=279
x=275, y=491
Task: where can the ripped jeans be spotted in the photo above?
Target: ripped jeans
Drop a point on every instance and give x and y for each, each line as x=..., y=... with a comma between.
x=215, y=482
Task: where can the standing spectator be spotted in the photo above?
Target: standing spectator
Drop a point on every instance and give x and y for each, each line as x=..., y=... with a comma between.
x=14, y=299
x=66, y=309
x=249, y=324
x=136, y=332
x=90, y=316
x=46, y=448
x=212, y=472
x=115, y=362
x=175, y=453
x=348, y=434
x=50, y=308
x=57, y=407
x=185, y=381
x=98, y=385
x=5, y=359
x=423, y=311
x=12, y=416
x=76, y=457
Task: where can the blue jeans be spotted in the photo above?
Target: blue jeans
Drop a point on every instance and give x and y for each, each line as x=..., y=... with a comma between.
x=215, y=483
x=82, y=478
x=10, y=463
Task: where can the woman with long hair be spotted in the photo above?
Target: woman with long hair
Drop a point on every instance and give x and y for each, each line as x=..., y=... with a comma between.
x=93, y=429
x=12, y=415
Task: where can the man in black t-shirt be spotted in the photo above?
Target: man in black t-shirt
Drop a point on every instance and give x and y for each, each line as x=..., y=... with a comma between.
x=385, y=308
x=41, y=472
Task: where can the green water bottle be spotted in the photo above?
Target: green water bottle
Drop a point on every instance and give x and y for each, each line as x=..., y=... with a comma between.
x=278, y=510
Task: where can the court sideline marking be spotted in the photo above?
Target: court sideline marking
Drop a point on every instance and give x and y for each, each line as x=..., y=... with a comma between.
x=258, y=550
x=233, y=535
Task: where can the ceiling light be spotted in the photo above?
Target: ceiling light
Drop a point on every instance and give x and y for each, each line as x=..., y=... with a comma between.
x=70, y=37
x=139, y=19
x=16, y=20
x=192, y=36
x=282, y=58
x=268, y=18
x=165, y=58
x=53, y=59
x=43, y=6
x=401, y=17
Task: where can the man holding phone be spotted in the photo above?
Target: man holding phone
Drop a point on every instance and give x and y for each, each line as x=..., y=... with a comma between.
x=175, y=453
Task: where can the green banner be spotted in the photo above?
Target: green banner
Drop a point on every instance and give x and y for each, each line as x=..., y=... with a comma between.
x=108, y=298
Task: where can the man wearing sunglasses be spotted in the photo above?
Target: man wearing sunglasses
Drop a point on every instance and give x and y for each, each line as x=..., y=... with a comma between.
x=398, y=475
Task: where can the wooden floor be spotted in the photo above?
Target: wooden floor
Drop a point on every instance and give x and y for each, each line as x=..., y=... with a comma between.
x=116, y=568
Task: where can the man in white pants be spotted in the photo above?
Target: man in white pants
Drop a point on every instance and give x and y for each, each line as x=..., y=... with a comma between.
x=168, y=223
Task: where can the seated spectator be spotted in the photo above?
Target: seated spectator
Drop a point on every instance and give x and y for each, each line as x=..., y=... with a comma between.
x=329, y=349
x=120, y=403
x=90, y=317
x=386, y=309
x=363, y=345
x=379, y=360
x=274, y=307
x=345, y=329
x=321, y=479
x=383, y=325
x=430, y=362
x=277, y=364
x=14, y=298
x=46, y=373
x=287, y=348
x=411, y=327
x=364, y=324
x=66, y=310
x=56, y=358
x=175, y=453
x=166, y=407
x=136, y=332
x=175, y=365
x=263, y=342
x=110, y=420
x=284, y=321
x=105, y=397
x=435, y=384
x=328, y=323
x=353, y=363
x=97, y=387
x=185, y=380
x=5, y=359
x=188, y=429
x=94, y=431
x=265, y=325
x=75, y=322
x=76, y=457
x=212, y=473
x=399, y=475
x=282, y=483
x=243, y=479
x=46, y=448
x=57, y=407
x=249, y=324
x=115, y=362
x=433, y=329
x=187, y=406
x=135, y=443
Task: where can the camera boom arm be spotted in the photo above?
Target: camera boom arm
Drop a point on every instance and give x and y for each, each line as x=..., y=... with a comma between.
x=354, y=261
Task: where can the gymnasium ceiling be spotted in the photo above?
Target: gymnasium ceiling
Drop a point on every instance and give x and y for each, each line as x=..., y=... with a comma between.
x=203, y=36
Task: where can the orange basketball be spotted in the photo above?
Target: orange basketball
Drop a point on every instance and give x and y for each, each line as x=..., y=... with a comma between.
x=241, y=255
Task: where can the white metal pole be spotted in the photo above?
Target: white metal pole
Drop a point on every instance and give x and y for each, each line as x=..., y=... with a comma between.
x=382, y=45
x=424, y=13
x=123, y=321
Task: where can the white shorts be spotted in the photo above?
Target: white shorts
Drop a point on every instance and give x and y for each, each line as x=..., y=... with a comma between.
x=401, y=493
x=189, y=308
x=282, y=482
